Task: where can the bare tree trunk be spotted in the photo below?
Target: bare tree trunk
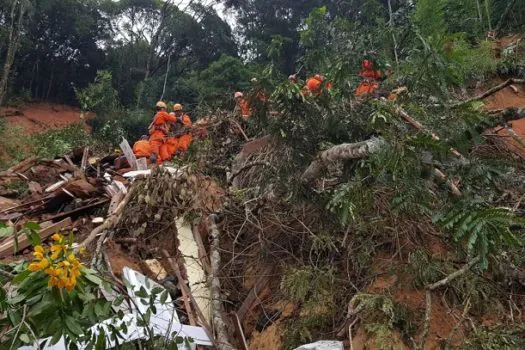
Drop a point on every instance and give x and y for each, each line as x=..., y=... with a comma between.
x=217, y=309
x=346, y=151
x=480, y=15
x=166, y=78
x=153, y=46
x=391, y=25
x=50, y=82
x=18, y=10
x=503, y=17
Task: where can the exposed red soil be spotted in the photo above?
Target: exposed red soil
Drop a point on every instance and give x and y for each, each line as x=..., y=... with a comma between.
x=509, y=98
x=506, y=98
x=40, y=117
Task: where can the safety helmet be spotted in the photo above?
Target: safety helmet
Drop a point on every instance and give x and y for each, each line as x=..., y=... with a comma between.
x=161, y=104
x=238, y=94
x=254, y=80
x=177, y=107
x=292, y=77
x=367, y=64
x=319, y=77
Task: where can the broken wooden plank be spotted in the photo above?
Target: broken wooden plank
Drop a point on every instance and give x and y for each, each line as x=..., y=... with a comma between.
x=82, y=189
x=23, y=165
x=182, y=284
x=7, y=248
x=203, y=255
x=21, y=206
x=128, y=153
x=55, y=186
x=78, y=210
x=142, y=164
x=84, y=163
x=253, y=295
x=76, y=170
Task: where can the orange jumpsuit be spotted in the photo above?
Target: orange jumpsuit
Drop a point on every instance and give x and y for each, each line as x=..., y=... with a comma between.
x=185, y=140
x=370, y=84
x=159, y=130
x=142, y=149
x=173, y=144
x=244, y=106
x=313, y=86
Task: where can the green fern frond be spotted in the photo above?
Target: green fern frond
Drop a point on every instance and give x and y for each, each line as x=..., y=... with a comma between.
x=482, y=230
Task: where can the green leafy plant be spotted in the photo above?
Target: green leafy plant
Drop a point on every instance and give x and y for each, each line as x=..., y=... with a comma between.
x=57, y=142
x=56, y=296
x=482, y=230
x=100, y=96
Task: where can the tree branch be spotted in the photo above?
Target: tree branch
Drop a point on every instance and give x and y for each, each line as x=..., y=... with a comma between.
x=490, y=92
x=431, y=287
x=345, y=151
x=220, y=326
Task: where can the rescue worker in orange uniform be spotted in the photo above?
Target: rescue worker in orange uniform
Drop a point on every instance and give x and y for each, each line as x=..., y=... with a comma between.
x=159, y=129
x=259, y=92
x=242, y=105
x=370, y=83
x=314, y=85
x=142, y=149
x=179, y=136
x=186, y=137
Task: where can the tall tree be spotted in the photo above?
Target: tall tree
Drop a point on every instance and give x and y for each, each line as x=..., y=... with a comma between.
x=19, y=8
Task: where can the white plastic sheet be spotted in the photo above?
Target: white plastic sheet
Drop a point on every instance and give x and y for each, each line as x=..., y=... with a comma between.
x=323, y=345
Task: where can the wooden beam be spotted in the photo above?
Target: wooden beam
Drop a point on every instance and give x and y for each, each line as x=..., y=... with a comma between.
x=203, y=255
x=253, y=295
x=8, y=247
x=180, y=280
x=205, y=325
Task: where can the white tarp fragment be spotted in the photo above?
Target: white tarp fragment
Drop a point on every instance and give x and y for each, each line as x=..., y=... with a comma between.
x=134, y=174
x=323, y=345
x=164, y=323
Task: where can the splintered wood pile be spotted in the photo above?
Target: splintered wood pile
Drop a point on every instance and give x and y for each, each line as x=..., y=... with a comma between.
x=69, y=194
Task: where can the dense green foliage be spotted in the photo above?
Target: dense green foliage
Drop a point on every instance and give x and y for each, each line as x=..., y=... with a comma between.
x=119, y=57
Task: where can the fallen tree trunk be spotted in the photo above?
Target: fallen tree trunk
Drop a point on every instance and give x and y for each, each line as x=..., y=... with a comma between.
x=217, y=309
x=490, y=91
x=359, y=150
x=416, y=124
x=345, y=151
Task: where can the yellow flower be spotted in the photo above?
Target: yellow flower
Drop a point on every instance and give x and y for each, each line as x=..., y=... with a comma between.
x=70, y=283
x=38, y=252
x=57, y=237
x=82, y=250
x=37, y=266
x=56, y=251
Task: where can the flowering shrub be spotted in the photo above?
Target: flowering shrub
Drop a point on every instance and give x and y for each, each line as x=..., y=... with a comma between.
x=59, y=263
x=55, y=296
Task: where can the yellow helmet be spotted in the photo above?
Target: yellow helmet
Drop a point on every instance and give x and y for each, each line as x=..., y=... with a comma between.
x=161, y=104
x=177, y=107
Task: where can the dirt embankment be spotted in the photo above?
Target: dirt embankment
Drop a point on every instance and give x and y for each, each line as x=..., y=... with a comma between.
x=40, y=117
